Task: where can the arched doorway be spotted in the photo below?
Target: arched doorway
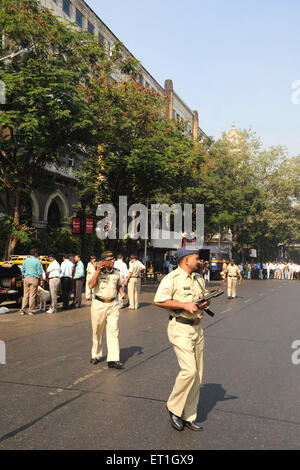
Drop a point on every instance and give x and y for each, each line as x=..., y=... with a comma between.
x=54, y=218
x=56, y=210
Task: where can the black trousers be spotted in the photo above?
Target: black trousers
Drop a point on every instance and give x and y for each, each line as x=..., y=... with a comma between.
x=66, y=287
x=78, y=291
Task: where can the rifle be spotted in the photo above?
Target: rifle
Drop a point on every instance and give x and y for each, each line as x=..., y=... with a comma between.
x=211, y=295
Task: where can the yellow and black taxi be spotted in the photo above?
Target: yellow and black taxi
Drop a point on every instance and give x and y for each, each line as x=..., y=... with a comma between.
x=11, y=282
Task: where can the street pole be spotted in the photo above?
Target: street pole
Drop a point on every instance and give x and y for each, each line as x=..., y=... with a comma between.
x=146, y=238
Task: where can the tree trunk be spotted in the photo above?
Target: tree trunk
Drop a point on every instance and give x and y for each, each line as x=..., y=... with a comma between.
x=11, y=240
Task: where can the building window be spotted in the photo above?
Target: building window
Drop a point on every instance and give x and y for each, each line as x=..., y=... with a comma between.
x=101, y=38
x=141, y=80
x=91, y=28
x=79, y=18
x=147, y=85
x=71, y=162
x=66, y=7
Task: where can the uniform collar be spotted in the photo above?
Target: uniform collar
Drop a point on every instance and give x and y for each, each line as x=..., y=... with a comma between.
x=184, y=273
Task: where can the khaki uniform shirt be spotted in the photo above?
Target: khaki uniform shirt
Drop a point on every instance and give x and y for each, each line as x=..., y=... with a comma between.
x=182, y=287
x=232, y=271
x=135, y=269
x=107, y=284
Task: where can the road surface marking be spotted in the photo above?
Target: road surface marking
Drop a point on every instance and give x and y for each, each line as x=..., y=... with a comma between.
x=249, y=300
x=77, y=381
x=228, y=310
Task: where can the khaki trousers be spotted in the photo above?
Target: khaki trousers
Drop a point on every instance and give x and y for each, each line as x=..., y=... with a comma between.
x=30, y=287
x=291, y=275
x=231, y=286
x=53, y=287
x=188, y=344
x=134, y=287
x=105, y=314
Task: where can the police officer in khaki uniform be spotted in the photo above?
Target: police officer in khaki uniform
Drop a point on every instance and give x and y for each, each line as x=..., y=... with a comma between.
x=134, y=283
x=106, y=285
x=177, y=292
x=232, y=273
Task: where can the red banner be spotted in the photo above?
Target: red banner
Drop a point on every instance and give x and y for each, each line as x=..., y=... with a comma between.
x=89, y=225
x=76, y=225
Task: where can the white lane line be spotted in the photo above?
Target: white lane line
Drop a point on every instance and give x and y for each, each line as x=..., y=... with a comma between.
x=228, y=310
x=77, y=381
x=249, y=300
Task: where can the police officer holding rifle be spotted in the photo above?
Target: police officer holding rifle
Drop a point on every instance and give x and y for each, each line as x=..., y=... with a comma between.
x=179, y=292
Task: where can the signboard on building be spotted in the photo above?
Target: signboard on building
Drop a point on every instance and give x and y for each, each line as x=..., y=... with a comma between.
x=252, y=253
x=76, y=225
x=89, y=225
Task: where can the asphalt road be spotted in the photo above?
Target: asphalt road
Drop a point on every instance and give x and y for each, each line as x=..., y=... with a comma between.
x=52, y=398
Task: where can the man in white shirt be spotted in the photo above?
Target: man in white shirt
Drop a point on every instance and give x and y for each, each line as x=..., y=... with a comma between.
x=66, y=280
x=122, y=267
x=53, y=273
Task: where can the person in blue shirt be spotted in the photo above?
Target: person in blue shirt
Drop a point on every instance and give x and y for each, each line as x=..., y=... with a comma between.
x=79, y=276
x=32, y=274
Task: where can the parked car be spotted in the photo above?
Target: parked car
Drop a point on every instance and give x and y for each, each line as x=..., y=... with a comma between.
x=11, y=284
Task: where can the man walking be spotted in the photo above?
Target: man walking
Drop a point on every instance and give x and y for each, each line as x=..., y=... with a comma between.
x=66, y=280
x=106, y=285
x=79, y=278
x=232, y=274
x=177, y=293
x=31, y=274
x=134, y=282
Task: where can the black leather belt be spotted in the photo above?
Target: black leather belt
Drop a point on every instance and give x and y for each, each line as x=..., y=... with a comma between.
x=186, y=321
x=106, y=301
x=235, y=277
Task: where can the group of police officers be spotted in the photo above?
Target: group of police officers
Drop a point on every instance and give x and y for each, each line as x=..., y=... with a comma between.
x=176, y=293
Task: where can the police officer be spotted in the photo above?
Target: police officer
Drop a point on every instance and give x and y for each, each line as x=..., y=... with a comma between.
x=134, y=282
x=232, y=274
x=177, y=293
x=106, y=285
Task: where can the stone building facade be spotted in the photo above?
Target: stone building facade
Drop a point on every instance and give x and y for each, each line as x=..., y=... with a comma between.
x=61, y=200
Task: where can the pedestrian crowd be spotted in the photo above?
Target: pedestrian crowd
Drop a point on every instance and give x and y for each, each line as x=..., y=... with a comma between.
x=270, y=270
x=68, y=277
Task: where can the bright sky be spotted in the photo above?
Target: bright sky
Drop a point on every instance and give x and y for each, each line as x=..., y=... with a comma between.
x=232, y=60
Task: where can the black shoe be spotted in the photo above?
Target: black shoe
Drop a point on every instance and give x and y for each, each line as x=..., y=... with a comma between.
x=94, y=361
x=229, y=297
x=115, y=365
x=193, y=425
x=175, y=421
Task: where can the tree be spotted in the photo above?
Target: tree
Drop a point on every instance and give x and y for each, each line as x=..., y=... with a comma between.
x=47, y=114
x=139, y=153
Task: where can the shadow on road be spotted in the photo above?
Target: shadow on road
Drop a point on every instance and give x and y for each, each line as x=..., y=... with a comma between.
x=210, y=395
x=127, y=353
